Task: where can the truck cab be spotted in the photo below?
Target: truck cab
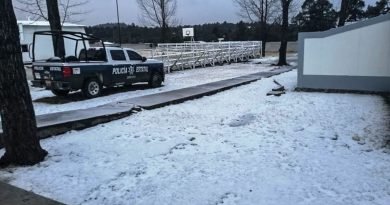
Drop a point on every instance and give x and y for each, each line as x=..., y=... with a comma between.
x=94, y=68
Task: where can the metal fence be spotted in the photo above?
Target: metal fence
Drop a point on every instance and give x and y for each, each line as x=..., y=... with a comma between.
x=179, y=56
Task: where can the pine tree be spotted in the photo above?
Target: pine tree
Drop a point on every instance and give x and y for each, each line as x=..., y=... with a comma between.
x=381, y=7
x=351, y=10
x=316, y=15
x=242, y=32
x=356, y=11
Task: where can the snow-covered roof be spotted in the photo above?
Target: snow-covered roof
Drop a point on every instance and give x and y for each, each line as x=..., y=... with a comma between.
x=45, y=23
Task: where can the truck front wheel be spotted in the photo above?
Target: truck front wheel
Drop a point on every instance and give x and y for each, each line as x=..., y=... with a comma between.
x=155, y=80
x=92, y=88
x=61, y=93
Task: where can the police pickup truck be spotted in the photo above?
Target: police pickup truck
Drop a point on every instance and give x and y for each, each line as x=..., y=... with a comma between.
x=94, y=68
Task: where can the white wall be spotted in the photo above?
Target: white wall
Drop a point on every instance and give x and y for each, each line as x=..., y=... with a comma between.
x=44, y=46
x=360, y=52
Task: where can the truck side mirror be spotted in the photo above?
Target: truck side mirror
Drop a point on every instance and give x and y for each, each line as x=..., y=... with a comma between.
x=144, y=59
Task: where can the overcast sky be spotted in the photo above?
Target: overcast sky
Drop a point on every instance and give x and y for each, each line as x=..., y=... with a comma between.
x=189, y=12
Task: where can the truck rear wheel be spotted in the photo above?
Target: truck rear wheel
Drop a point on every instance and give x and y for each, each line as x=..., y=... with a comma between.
x=155, y=80
x=61, y=93
x=92, y=88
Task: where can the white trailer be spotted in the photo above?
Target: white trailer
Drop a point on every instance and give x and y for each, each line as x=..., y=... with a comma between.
x=45, y=46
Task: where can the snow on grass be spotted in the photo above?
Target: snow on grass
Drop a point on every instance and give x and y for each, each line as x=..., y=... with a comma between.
x=175, y=80
x=236, y=147
x=291, y=58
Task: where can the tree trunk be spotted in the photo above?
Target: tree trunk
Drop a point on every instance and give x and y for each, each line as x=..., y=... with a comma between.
x=164, y=27
x=283, y=41
x=164, y=31
x=55, y=25
x=16, y=110
x=264, y=35
x=263, y=23
x=343, y=12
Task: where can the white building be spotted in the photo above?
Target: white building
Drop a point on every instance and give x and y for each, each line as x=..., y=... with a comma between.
x=44, y=45
x=354, y=57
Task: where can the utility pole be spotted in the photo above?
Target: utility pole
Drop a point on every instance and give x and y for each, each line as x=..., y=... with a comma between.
x=119, y=25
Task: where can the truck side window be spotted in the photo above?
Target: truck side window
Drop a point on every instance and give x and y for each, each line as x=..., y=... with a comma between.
x=134, y=56
x=118, y=55
x=93, y=55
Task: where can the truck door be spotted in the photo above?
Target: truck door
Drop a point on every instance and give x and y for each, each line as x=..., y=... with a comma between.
x=120, y=68
x=141, y=69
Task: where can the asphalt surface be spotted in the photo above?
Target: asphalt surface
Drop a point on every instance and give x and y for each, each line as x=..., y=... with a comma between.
x=11, y=195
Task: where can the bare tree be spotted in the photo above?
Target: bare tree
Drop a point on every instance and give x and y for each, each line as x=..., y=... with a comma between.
x=286, y=4
x=159, y=13
x=16, y=109
x=69, y=10
x=49, y=11
x=262, y=11
x=54, y=18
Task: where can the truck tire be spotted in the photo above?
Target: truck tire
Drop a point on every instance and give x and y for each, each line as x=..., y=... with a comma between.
x=92, y=88
x=155, y=80
x=61, y=93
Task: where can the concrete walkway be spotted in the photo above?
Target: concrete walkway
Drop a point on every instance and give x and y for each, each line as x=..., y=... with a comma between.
x=10, y=195
x=59, y=123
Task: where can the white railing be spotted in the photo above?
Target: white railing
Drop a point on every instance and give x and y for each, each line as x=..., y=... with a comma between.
x=179, y=56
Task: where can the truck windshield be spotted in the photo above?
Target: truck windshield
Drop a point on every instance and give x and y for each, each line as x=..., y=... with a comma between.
x=93, y=54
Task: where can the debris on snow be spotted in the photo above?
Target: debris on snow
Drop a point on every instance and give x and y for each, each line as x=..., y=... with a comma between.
x=278, y=91
x=356, y=138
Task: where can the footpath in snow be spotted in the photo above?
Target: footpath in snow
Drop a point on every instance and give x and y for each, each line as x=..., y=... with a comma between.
x=235, y=147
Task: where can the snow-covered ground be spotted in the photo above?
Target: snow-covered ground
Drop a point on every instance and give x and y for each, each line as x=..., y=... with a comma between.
x=236, y=147
x=175, y=80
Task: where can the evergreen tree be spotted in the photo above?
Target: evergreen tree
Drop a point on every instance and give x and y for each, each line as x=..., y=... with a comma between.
x=242, y=32
x=381, y=7
x=356, y=11
x=351, y=10
x=316, y=15
x=216, y=32
x=208, y=32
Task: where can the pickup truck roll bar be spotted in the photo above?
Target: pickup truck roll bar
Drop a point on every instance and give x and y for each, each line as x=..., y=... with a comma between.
x=75, y=36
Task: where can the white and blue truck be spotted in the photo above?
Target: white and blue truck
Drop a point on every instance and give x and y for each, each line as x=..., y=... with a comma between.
x=89, y=69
